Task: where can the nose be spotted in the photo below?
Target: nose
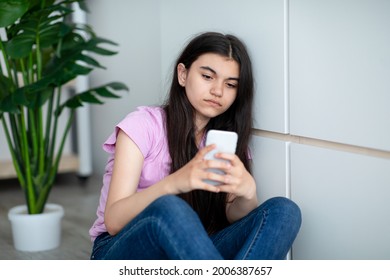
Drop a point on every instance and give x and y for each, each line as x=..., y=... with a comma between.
x=217, y=89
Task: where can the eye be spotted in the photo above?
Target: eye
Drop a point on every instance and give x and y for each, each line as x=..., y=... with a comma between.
x=231, y=85
x=207, y=77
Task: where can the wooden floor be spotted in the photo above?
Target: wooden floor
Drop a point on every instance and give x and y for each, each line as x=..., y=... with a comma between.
x=79, y=200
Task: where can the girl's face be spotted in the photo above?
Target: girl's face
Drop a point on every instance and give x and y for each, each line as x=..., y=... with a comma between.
x=210, y=84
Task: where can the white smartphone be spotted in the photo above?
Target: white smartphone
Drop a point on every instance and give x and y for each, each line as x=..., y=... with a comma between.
x=226, y=142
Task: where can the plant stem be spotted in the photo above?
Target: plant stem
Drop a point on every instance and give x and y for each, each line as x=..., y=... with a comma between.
x=41, y=140
x=31, y=119
x=54, y=131
x=16, y=137
x=53, y=171
x=13, y=155
x=49, y=123
x=39, y=119
x=33, y=137
x=30, y=190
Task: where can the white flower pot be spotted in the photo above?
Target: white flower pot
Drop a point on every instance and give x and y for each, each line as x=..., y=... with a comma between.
x=38, y=232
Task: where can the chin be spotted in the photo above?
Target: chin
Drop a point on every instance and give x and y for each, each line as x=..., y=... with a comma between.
x=213, y=114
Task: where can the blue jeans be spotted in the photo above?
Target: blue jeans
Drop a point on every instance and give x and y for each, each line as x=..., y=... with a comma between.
x=170, y=229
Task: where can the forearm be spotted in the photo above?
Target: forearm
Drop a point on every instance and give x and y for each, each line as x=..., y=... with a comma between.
x=240, y=207
x=120, y=213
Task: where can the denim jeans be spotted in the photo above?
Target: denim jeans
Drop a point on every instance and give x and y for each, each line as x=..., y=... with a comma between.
x=170, y=229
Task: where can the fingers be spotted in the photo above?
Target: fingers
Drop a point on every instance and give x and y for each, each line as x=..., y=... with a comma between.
x=202, y=152
x=228, y=170
x=233, y=158
x=211, y=188
x=220, y=170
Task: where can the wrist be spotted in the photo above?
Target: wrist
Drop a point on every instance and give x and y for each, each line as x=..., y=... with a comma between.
x=251, y=194
x=168, y=186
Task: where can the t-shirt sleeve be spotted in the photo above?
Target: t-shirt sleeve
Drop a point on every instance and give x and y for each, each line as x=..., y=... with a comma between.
x=139, y=126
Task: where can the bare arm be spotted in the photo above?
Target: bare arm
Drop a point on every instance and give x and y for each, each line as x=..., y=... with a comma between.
x=124, y=202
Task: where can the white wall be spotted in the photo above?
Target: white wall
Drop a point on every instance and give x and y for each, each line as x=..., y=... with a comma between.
x=258, y=22
x=339, y=71
x=321, y=112
x=135, y=26
x=344, y=200
x=339, y=91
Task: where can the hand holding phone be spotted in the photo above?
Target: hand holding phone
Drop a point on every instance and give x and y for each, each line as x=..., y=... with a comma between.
x=226, y=142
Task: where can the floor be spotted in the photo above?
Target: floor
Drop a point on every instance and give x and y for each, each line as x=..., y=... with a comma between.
x=79, y=199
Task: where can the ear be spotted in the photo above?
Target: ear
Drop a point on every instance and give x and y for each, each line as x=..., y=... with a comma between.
x=181, y=74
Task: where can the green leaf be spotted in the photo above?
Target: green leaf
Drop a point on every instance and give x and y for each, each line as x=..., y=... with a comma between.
x=11, y=10
x=6, y=87
x=102, y=51
x=89, y=98
x=19, y=97
x=71, y=41
x=90, y=61
x=105, y=93
x=6, y=95
x=64, y=74
x=34, y=3
x=38, y=25
x=83, y=6
x=38, y=99
x=71, y=103
x=7, y=105
x=69, y=72
x=66, y=51
x=98, y=40
x=50, y=35
x=64, y=30
x=19, y=47
x=117, y=86
x=74, y=102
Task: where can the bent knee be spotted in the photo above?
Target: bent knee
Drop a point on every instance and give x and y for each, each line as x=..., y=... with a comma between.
x=167, y=201
x=171, y=204
x=284, y=206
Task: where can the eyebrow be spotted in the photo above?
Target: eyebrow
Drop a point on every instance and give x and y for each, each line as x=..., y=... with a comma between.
x=215, y=72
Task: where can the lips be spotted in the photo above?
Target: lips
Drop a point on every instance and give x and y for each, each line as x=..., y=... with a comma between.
x=213, y=103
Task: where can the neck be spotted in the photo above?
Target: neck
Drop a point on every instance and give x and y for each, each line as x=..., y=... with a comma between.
x=199, y=136
x=200, y=125
x=199, y=132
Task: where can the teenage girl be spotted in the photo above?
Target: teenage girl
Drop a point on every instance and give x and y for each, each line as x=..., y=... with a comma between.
x=155, y=203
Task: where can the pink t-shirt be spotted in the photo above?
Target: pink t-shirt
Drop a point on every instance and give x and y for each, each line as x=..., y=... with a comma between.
x=146, y=127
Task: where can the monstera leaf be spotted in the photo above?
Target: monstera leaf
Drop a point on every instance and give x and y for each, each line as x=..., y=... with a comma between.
x=42, y=51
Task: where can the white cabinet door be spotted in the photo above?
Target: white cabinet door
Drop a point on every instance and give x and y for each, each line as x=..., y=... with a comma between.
x=260, y=23
x=339, y=71
x=270, y=167
x=345, y=206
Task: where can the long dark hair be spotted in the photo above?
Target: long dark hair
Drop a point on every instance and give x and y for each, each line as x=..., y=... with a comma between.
x=211, y=207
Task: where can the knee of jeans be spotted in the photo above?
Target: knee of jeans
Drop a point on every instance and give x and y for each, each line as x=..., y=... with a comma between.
x=171, y=204
x=166, y=201
x=285, y=206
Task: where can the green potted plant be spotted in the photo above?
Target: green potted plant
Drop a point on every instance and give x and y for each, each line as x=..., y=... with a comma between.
x=41, y=52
